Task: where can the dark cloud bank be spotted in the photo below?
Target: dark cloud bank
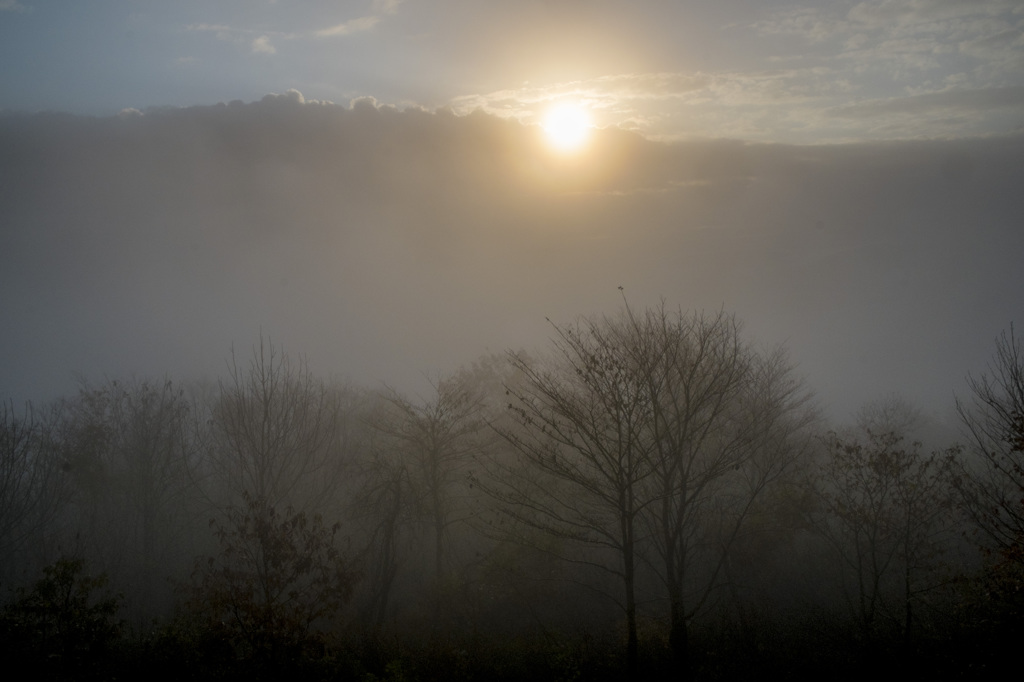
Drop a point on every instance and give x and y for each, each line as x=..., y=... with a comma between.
x=390, y=245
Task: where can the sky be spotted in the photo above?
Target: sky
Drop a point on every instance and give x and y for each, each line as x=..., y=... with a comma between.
x=369, y=183
x=757, y=70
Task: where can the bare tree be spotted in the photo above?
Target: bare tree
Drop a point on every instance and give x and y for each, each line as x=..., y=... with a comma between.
x=726, y=422
x=385, y=502
x=436, y=437
x=994, y=418
x=891, y=414
x=127, y=446
x=32, y=483
x=582, y=425
x=653, y=430
x=883, y=507
x=273, y=431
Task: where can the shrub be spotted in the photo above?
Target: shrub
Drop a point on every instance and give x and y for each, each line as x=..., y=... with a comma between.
x=277, y=584
x=65, y=623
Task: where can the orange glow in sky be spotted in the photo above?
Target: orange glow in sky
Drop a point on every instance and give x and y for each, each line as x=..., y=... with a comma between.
x=567, y=126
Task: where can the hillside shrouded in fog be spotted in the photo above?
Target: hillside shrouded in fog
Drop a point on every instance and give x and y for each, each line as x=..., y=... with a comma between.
x=387, y=245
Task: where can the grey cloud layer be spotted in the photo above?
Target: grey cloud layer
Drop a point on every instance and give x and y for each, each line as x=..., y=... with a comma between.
x=386, y=244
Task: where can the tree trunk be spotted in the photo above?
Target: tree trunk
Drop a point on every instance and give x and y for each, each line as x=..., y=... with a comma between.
x=678, y=637
x=629, y=578
x=632, y=643
x=908, y=616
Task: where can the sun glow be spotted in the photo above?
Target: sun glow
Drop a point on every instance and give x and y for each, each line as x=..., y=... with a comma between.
x=567, y=126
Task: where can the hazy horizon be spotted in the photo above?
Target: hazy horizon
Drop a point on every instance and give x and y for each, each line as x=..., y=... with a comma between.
x=389, y=245
x=844, y=177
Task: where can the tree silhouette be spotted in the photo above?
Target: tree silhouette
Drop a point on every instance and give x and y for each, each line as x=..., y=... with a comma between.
x=994, y=419
x=32, y=481
x=650, y=433
x=882, y=507
x=273, y=431
x=726, y=422
x=279, y=581
x=63, y=625
x=131, y=443
x=580, y=428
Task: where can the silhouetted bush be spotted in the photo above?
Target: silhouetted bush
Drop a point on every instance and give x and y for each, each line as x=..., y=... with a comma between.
x=275, y=590
x=64, y=626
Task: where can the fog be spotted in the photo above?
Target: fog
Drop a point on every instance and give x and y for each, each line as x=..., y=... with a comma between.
x=392, y=246
x=273, y=431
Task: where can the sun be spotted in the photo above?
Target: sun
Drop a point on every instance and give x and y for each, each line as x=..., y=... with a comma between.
x=567, y=126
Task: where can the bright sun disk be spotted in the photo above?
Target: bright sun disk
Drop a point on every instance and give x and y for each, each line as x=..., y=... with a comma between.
x=567, y=126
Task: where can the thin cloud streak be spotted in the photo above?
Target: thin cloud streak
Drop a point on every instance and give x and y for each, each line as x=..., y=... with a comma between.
x=795, y=105
x=381, y=9
x=950, y=100
x=349, y=27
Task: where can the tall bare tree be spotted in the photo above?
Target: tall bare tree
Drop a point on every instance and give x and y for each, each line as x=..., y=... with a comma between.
x=434, y=439
x=127, y=446
x=32, y=480
x=581, y=430
x=273, y=431
x=994, y=418
x=652, y=431
x=726, y=422
x=883, y=507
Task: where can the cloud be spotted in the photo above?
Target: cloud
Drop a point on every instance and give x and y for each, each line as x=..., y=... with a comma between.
x=943, y=23
x=349, y=27
x=262, y=45
x=759, y=105
x=223, y=32
x=12, y=6
x=385, y=6
x=949, y=100
x=291, y=96
x=812, y=23
x=906, y=38
x=379, y=9
x=926, y=15
x=897, y=57
x=1000, y=51
x=807, y=104
x=993, y=45
x=612, y=93
x=869, y=50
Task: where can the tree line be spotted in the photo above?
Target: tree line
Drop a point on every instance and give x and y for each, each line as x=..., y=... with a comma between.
x=652, y=479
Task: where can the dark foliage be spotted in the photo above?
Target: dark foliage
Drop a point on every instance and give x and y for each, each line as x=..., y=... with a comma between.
x=64, y=626
x=276, y=587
